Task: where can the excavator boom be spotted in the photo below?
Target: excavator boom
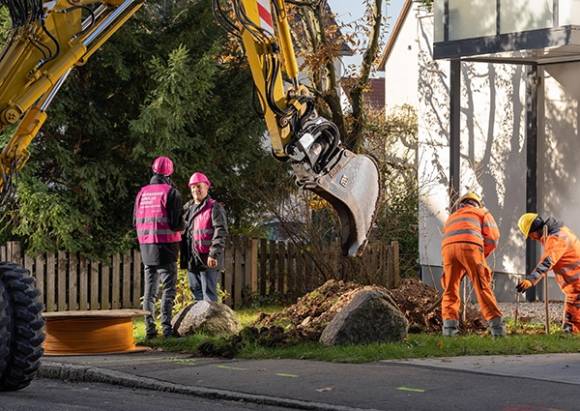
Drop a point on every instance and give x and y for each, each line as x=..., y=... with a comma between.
x=348, y=181
x=48, y=39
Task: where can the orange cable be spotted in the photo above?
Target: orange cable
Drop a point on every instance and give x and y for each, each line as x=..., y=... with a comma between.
x=68, y=336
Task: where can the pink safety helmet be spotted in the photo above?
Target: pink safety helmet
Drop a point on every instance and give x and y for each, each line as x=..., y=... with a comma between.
x=199, y=177
x=163, y=165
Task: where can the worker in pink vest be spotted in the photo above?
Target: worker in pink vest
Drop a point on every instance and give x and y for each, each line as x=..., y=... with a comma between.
x=158, y=221
x=202, y=248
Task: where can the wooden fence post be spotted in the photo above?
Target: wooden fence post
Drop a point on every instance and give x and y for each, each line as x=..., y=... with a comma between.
x=73, y=282
x=229, y=272
x=137, y=274
x=291, y=270
x=396, y=264
x=300, y=280
x=263, y=269
x=127, y=280
x=250, y=269
x=62, y=280
x=39, y=271
x=29, y=265
x=309, y=272
x=94, y=285
x=238, y=272
x=390, y=268
x=383, y=264
x=272, y=272
x=84, y=284
x=116, y=282
x=281, y=266
x=50, y=283
x=15, y=252
x=105, y=285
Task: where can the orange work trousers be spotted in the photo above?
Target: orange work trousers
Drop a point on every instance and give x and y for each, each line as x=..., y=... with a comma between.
x=572, y=312
x=460, y=259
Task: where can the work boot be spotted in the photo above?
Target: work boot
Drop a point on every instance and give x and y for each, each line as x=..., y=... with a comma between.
x=169, y=333
x=450, y=328
x=150, y=335
x=497, y=327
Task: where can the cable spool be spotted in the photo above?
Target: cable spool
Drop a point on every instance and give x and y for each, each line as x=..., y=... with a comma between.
x=90, y=332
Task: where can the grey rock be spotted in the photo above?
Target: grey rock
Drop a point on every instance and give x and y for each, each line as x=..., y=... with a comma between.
x=206, y=317
x=371, y=316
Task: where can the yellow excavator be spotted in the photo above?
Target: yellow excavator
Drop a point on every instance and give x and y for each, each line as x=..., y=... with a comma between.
x=49, y=38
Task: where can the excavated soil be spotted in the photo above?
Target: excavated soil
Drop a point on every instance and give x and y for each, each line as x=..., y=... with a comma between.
x=305, y=320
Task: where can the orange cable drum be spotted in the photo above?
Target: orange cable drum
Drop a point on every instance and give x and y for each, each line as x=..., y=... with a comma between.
x=90, y=332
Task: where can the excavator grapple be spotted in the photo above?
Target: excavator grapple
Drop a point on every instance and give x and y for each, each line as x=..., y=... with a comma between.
x=352, y=188
x=349, y=182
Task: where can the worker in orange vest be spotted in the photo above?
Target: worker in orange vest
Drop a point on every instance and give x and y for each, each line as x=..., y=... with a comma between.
x=470, y=235
x=561, y=255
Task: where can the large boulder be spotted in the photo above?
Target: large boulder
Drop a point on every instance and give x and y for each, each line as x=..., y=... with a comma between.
x=206, y=317
x=371, y=316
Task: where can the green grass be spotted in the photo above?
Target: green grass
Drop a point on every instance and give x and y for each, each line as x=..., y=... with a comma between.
x=246, y=316
x=423, y=346
x=415, y=346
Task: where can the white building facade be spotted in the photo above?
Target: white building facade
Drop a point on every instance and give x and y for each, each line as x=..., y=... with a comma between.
x=506, y=120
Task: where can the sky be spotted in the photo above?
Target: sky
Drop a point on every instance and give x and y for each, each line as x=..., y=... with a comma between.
x=349, y=10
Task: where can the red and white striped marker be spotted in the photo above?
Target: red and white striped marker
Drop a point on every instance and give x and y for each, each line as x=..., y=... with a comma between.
x=265, y=12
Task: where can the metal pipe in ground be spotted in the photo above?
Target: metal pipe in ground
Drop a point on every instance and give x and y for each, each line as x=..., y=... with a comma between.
x=517, y=313
x=464, y=313
x=546, y=304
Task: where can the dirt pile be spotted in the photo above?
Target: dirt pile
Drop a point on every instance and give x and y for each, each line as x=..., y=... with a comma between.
x=421, y=305
x=305, y=320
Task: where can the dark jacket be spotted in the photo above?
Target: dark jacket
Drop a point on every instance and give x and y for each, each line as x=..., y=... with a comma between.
x=190, y=259
x=162, y=254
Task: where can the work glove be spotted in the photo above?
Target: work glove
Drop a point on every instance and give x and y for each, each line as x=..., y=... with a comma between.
x=523, y=286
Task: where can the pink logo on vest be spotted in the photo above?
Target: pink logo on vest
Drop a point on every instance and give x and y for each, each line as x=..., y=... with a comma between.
x=203, y=228
x=152, y=219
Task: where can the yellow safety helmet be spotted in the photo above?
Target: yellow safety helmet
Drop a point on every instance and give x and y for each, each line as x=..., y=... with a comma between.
x=525, y=222
x=470, y=195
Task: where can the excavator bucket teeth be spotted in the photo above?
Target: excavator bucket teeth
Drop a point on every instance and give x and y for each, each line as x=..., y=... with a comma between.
x=352, y=187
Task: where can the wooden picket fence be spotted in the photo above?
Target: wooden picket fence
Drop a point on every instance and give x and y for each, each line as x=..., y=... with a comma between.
x=69, y=282
x=262, y=268
x=254, y=269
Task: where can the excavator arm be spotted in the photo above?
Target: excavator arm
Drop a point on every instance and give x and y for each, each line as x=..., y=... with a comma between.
x=49, y=38
x=311, y=143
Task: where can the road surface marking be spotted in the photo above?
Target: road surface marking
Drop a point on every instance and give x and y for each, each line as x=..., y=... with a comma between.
x=410, y=389
x=229, y=367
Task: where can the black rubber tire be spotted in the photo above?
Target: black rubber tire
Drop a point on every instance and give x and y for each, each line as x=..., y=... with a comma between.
x=21, y=328
x=5, y=327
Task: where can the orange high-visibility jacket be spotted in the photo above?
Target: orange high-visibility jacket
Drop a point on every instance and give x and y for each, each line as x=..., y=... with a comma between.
x=472, y=225
x=562, y=255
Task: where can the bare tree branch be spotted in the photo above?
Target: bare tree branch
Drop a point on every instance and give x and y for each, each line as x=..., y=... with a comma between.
x=354, y=141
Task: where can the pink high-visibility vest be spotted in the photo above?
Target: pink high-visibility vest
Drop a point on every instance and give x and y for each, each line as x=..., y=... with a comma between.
x=202, y=233
x=151, y=216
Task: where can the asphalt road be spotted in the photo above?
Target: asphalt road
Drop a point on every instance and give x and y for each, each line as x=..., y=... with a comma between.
x=503, y=383
x=55, y=395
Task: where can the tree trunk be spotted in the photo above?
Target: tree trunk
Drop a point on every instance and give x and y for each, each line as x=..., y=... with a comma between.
x=355, y=139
